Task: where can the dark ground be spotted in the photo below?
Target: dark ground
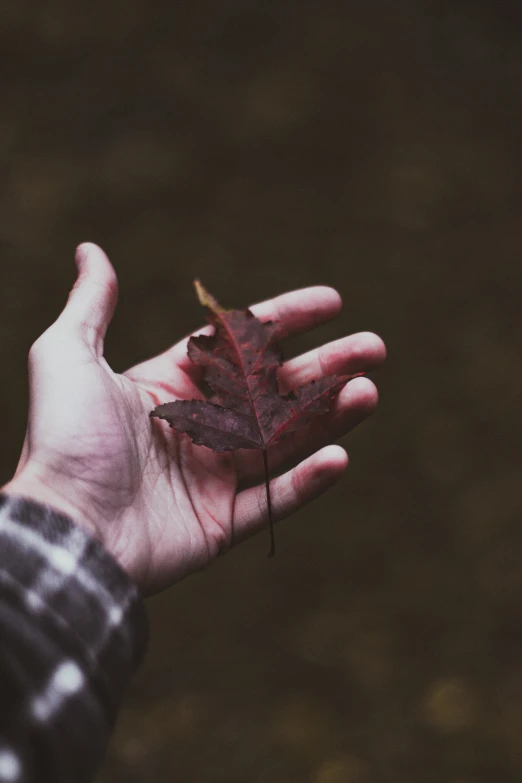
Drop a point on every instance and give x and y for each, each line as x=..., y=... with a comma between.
x=265, y=146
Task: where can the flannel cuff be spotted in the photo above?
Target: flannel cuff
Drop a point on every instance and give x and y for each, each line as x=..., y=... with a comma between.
x=73, y=628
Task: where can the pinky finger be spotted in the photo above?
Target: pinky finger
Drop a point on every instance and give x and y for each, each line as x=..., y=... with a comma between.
x=288, y=492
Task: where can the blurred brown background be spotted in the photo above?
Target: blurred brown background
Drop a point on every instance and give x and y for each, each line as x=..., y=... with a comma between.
x=265, y=146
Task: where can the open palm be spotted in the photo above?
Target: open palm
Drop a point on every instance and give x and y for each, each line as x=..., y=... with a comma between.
x=161, y=505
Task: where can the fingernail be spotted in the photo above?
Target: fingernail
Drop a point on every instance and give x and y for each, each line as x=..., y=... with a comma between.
x=80, y=256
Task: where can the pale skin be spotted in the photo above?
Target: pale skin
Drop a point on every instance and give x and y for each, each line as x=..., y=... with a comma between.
x=160, y=505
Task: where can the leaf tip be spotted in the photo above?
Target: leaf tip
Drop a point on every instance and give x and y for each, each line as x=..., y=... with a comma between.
x=206, y=299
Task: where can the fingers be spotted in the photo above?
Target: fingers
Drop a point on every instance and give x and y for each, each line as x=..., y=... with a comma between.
x=349, y=355
x=288, y=492
x=295, y=312
x=355, y=402
x=92, y=301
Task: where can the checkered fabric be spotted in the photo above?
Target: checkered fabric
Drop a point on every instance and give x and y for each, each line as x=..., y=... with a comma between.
x=73, y=628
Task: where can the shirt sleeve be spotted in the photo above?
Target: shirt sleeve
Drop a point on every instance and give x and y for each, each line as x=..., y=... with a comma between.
x=73, y=628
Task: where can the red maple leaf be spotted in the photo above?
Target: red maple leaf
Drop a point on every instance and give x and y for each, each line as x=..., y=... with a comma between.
x=240, y=362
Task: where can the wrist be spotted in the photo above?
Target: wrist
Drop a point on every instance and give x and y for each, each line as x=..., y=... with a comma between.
x=29, y=484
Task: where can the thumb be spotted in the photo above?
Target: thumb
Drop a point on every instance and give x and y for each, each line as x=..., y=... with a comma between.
x=93, y=298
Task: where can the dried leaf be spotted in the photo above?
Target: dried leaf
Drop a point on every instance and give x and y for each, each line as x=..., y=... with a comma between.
x=240, y=362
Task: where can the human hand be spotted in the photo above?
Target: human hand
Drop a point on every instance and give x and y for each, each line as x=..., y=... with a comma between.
x=160, y=505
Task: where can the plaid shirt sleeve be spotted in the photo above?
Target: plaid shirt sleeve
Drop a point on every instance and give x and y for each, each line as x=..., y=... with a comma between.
x=73, y=628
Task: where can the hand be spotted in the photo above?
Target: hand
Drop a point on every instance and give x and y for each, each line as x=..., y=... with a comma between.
x=160, y=505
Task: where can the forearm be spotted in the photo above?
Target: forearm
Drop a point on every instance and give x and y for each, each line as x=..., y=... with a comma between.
x=72, y=630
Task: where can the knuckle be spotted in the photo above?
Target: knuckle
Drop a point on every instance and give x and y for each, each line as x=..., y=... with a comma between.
x=302, y=480
x=262, y=508
x=297, y=485
x=322, y=360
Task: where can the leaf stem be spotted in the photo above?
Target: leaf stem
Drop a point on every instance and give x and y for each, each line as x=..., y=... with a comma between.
x=269, y=506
